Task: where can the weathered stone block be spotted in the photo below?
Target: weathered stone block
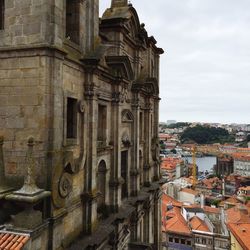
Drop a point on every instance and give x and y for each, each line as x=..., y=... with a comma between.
x=32, y=28
x=29, y=62
x=11, y=168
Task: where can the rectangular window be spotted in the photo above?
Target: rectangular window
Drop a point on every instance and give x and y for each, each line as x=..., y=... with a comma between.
x=183, y=241
x=2, y=9
x=72, y=21
x=102, y=123
x=141, y=132
x=71, y=118
x=170, y=239
x=124, y=173
x=189, y=242
x=176, y=240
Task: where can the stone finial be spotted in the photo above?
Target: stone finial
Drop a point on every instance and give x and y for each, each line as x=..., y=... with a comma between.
x=119, y=3
x=29, y=187
x=30, y=177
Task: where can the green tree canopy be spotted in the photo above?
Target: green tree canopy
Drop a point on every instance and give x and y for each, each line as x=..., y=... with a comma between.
x=206, y=135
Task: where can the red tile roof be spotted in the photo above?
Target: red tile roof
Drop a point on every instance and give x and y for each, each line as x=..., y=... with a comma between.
x=241, y=232
x=231, y=201
x=177, y=224
x=197, y=224
x=167, y=200
x=212, y=210
x=237, y=215
x=189, y=191
x=12, y=241
x=242, y=156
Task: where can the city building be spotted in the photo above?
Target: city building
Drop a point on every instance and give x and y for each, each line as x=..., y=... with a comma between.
x=224, y=165
x=192, y=226
x=238, y=223
x=79, y=151
x=242, y=164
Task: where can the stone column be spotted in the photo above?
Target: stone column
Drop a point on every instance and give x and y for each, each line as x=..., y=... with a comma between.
x=115, y=195
x=157, y=220
x=135, y=171
x=147, y=152
x=90, y=188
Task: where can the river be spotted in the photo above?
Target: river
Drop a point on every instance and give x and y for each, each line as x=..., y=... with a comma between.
x=204, y=163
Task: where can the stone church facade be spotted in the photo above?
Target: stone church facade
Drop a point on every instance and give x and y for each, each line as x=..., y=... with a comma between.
x=79, y=164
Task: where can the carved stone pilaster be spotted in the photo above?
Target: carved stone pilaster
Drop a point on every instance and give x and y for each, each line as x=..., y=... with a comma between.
x=89, y=91
x=116, y=97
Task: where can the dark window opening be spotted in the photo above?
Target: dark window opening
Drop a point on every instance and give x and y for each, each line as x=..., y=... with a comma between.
x=152, y=126
x=183, y=241
x=71, y=117
x=189, y=242
x=141, y=168
x=124, y=170
x=170, y=239
x=176, y=240
x=72, y=21
x=101, y=186
x=102, y=123
x=141, y=127
x=2, y=9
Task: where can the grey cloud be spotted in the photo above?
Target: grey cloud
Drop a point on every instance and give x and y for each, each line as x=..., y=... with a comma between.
x=205, y=72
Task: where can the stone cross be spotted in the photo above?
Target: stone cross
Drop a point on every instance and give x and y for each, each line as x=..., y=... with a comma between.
x=119, y=3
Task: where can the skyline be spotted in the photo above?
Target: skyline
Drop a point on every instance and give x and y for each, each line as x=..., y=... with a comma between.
x=205, y=69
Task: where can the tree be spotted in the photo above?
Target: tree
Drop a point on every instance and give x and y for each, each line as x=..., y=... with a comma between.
x=205, y=135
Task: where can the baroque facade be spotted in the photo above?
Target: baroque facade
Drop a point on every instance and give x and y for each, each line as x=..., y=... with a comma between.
x=79, y=165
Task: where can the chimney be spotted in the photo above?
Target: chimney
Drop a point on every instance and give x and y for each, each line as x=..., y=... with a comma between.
x=223, y=186
x=202, y=200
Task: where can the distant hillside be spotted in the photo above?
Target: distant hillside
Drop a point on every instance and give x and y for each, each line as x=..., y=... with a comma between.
x=206, y=135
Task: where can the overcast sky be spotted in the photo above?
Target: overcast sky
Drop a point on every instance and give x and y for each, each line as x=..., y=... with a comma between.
x=205, y=71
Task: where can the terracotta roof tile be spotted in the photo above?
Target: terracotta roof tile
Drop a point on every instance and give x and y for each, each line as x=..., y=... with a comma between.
x=197, y=224
x=190, y=191
x=231, y=201
x=212, y=210
x=177, y=224
x=241, y=232
x=12, y=241
x=237, y=215
x=166, y=199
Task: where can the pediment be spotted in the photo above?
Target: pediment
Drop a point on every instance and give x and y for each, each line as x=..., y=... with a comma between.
x=120, y=66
